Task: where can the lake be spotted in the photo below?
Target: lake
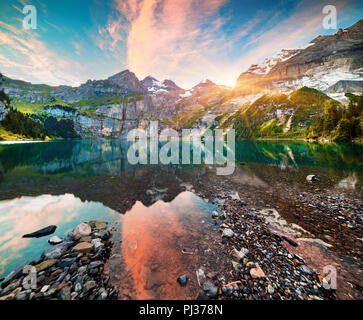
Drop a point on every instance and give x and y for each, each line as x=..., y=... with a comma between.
x=68, y=182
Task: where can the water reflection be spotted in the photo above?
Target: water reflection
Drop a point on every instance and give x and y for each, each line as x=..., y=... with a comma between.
x=28, y=214
x=153, y=239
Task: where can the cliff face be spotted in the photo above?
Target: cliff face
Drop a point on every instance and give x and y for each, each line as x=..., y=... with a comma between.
x=325, y=61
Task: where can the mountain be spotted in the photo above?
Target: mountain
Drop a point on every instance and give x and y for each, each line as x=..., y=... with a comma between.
x=152, y=85
x=322, y=63
x=279, y=97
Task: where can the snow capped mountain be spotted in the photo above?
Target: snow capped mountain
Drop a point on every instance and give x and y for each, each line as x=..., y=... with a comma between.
x=153, y=85
x=264, y=67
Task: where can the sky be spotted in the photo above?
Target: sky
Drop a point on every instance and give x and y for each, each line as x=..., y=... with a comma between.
x=186, y=41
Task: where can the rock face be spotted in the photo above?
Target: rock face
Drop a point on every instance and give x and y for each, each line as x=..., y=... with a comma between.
x=41, y=233
x=320, y=65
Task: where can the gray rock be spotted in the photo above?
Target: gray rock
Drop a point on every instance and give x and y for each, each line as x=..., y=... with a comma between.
x=95, y=264
x=305, y=269
x=41, y=233
x=77, y=287
x=65, y=294
x=69, y=237
x=183, y=280
x=89, y=285
x=13, y=275
x=228, y=233
x=227, y=290
x=98, y=244
x=23, y=295
x=56, y=251
x=104, y=234
x=210, y=290
x=66, y=262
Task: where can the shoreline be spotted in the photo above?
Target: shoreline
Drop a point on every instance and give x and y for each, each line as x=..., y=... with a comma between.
x=71, y=269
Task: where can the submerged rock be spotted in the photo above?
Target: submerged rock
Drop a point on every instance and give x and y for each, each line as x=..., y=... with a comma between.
x=41, y=233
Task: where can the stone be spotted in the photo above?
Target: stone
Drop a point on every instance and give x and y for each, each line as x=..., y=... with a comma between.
x=46, y=264
x=257, y=273
x=83, y=247
x=13, y=275
x=69, y=236
x=235, y=265
x=66, y=262
x=305, y=269
x=227, y=290
x=210, y=290
x=104, y=234
x=65, y=293
x=45, y=288
x=239, y=255
x=183, y=280
x=228, y=233
x=86, y=239
x=312, y=178
x=41, y=233
x=95, y=264
x=270, y=289
x=83, y=229
x=55, y=240
x=56, y=251
x=77, y=287
x=98, y=225
x=23, y=295
x=89, y=285
x=97, y=244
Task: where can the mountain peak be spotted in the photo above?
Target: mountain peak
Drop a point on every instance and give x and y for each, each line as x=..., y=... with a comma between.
x=127, y=80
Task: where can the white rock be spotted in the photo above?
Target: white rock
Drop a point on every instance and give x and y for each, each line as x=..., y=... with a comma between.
x=227, y=233
x=55, y=240
x=83, y=229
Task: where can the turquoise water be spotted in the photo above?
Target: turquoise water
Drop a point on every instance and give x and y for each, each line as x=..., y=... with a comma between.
x=109, y=157
x=28, y=214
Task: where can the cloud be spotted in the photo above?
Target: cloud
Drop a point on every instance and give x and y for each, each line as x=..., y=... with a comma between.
x=165, y=38
x=24, y=56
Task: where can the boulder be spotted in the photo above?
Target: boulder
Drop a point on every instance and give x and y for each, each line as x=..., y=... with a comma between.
x=56, y=251
x=83, y=229
x=98, y=225
x=83, y=247
x=41, y=233
x=46, y=264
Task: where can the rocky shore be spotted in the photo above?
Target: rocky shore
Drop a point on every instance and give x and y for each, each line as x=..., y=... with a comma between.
x=71, y=269
x=260, y=266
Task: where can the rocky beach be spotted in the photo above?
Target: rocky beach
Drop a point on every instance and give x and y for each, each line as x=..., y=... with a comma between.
x=71, y=269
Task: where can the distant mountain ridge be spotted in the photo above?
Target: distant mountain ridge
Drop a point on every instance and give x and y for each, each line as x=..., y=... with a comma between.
x=110, y=107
